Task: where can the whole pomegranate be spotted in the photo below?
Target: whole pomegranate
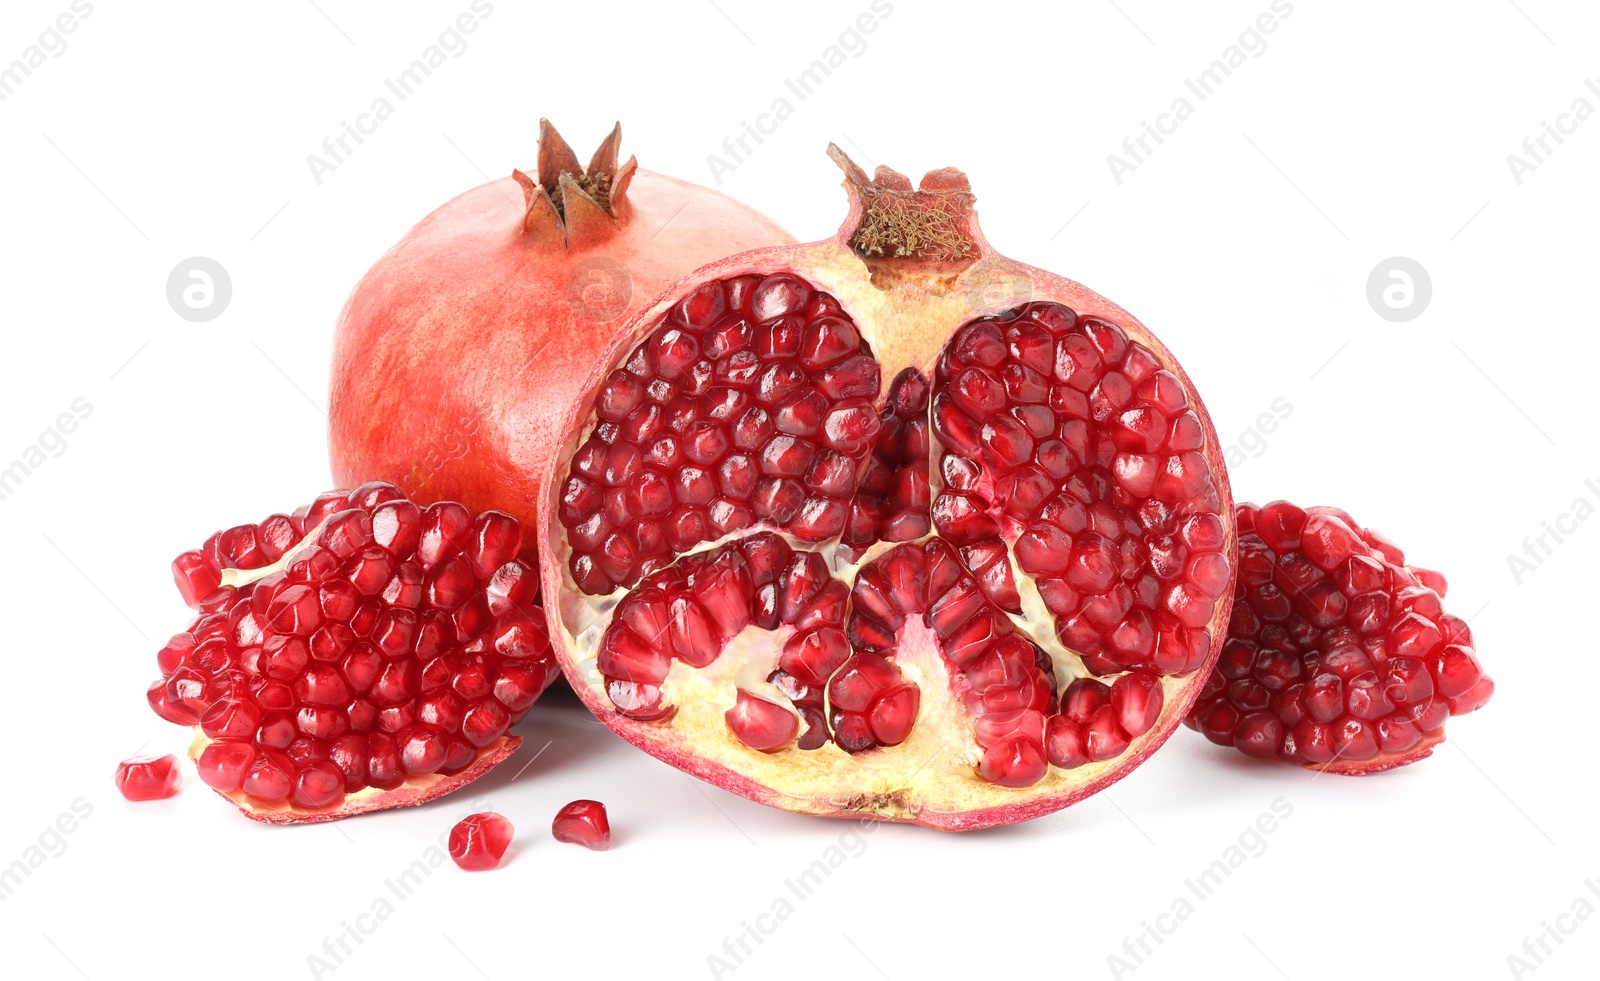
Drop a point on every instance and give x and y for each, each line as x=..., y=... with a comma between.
x=1339, y=656
x=462, y=349
x=889, y=525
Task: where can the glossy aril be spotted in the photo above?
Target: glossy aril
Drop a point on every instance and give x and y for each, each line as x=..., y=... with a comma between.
x=583, y=822
x=148, y=777
x=1339, y=656
x=840, y=526
x=458, y=354
x=479, y=841
x=375, y=653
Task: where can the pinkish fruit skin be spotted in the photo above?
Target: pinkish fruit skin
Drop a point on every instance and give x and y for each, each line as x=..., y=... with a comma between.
x=413, y=792
x=805, y=261
x=1385, y=761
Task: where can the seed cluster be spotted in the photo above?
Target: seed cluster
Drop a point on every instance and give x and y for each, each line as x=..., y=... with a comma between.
x=394, y=642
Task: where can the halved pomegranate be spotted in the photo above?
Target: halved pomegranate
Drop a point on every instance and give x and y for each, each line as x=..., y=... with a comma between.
x=358, y=654
x=969, y=596
x=1339, y=656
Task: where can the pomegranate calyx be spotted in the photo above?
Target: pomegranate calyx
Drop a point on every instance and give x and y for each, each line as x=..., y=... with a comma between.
x=569, y=204
x=898, y=230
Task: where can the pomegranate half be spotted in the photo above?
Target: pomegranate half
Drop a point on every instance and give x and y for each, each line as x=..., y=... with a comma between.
x=460, y=352
x=889, y=525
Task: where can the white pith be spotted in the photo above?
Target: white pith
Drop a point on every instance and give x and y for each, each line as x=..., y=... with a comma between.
x=244, y=577
x=932, y=776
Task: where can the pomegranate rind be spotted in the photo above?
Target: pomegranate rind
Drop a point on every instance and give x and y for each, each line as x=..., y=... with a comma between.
x=416, y=790
x=906, y=323
x=1383, y=762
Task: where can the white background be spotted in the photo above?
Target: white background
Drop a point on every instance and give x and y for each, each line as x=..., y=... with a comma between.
x=1365, y=130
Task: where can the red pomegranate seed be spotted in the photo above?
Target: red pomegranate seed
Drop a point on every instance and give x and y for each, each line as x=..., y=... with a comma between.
x=760, y=724
x=479, y=841
x=148, y=777
x=583, y=822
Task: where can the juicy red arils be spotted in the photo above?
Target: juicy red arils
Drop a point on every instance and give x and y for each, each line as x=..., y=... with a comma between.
x=583, y=822
x=835, y=533
x=148, y=777
x=1066, y=448
x=397, y=646
x=479, y=841
x=1338, y=656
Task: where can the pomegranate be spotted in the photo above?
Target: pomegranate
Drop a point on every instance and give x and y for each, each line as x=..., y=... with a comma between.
x=1339, y=656
x=969, y=596
x=458, y=355
x=583, y=822
x=479, y=841
x=148, y=777
x=361, y=653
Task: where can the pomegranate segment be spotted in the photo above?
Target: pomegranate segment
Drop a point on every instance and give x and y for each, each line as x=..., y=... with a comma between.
x=360, y=653
x=583, y=822
x=148, y=777
x=1339, y=656
x=752, y=401
x=838, y=597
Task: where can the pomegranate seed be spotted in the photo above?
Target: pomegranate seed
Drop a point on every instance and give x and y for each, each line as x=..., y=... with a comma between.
x=479, y=841
x=760, y=724
x=583, y=822
x=148, y=777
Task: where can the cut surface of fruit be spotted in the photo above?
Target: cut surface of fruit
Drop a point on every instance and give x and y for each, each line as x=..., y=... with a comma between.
x=148, y=777
x=479, y=841
x=460, y=352
x=850, y=528
x=1339, y=656
x=358, y=654
x=583, y=822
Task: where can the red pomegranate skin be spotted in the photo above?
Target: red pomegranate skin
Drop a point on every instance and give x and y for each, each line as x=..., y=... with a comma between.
x=461, y=351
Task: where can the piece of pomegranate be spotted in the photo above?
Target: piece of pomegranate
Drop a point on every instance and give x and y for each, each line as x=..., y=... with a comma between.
x=583, y=822
x=890, y=525
x=148, y=777
x=479, y=841
x=360, y=653
x=1339, y=656
x=458, y=355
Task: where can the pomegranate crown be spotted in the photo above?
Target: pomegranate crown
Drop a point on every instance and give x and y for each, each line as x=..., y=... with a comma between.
x=933, y=223
x=570, y=205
